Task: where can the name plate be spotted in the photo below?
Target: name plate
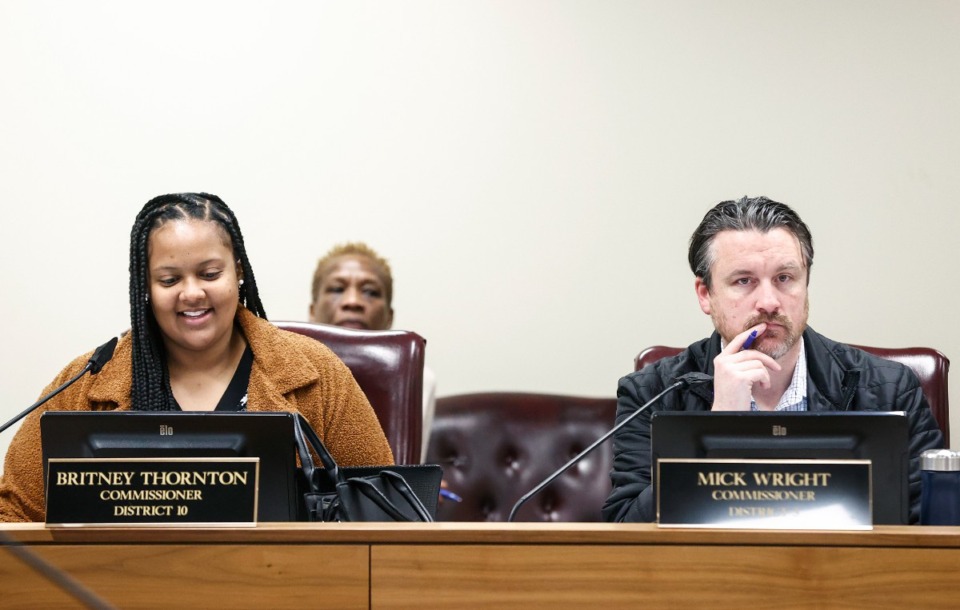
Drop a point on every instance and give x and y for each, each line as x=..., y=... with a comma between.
x=765, y=494
x=153, y=491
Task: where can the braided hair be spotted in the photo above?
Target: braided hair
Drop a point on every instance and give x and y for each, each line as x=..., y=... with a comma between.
x=151, y=379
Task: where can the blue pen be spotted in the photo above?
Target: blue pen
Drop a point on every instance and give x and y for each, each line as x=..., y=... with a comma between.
x=446, y=493
x=749, y=341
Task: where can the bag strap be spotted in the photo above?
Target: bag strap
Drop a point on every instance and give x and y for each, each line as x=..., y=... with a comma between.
x=400, y=484
x=304, y=433
x=376, y=496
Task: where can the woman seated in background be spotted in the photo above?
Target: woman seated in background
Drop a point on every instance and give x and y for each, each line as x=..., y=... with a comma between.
x=200, y=341
x=353, y=288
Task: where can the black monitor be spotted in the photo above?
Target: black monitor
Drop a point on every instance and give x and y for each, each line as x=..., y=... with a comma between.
x=880, y=437
x=268, y=436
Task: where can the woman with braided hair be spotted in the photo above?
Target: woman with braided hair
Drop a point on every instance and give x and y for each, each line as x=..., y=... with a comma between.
x=199, y=341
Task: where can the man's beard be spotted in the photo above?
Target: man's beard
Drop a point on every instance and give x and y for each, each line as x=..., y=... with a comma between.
x=778, y=346
x=774, y=346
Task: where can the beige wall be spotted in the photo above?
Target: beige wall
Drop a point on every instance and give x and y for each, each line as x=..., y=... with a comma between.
x=531, y=169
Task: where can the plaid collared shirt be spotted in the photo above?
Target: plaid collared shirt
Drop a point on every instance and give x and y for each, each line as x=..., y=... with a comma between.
x=795, y=398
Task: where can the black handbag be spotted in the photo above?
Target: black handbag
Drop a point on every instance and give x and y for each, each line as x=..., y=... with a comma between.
x=376, y=493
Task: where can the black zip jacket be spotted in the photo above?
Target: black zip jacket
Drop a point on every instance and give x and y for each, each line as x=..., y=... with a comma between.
x=839, y=378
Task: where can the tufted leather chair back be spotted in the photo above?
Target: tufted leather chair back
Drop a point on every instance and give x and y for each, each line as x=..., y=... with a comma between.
x=388, y=366
x=496, y=446
x=930, y=366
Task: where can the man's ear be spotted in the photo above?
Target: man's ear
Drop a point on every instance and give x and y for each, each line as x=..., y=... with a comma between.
x=703, y=295
x=389, y=318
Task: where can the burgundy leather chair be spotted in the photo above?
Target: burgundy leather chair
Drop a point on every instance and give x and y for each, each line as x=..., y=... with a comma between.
x=496, y=446
x=388, y=366
x=930, y=366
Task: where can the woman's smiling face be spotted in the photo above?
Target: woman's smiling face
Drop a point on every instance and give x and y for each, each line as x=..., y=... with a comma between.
x=192, y=281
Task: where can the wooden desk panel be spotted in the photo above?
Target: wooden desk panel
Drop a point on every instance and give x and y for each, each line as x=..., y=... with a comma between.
x=494, y=564
x=715, y=577
x=197, y=576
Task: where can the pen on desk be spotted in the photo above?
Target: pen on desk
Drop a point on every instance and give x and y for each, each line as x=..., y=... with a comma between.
x=749, y=341
x=446, y=493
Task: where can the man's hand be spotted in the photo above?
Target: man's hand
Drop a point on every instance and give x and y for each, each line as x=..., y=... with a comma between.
x=736, y=370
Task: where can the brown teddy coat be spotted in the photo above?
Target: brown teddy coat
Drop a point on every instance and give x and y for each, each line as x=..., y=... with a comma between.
x=290, y=373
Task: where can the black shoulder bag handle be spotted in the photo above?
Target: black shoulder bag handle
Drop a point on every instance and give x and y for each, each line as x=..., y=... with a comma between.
x=385, y=496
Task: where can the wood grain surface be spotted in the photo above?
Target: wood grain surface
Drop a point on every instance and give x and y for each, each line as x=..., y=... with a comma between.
x=344, y=565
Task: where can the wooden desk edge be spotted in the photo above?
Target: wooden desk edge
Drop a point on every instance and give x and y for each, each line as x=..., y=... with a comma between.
x=483, y=533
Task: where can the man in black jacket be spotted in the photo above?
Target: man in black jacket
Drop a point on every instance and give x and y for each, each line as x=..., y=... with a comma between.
x=752, y=261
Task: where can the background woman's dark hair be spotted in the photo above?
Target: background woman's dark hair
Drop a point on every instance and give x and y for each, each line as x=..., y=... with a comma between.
x=151, y=379
x=746, y=214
